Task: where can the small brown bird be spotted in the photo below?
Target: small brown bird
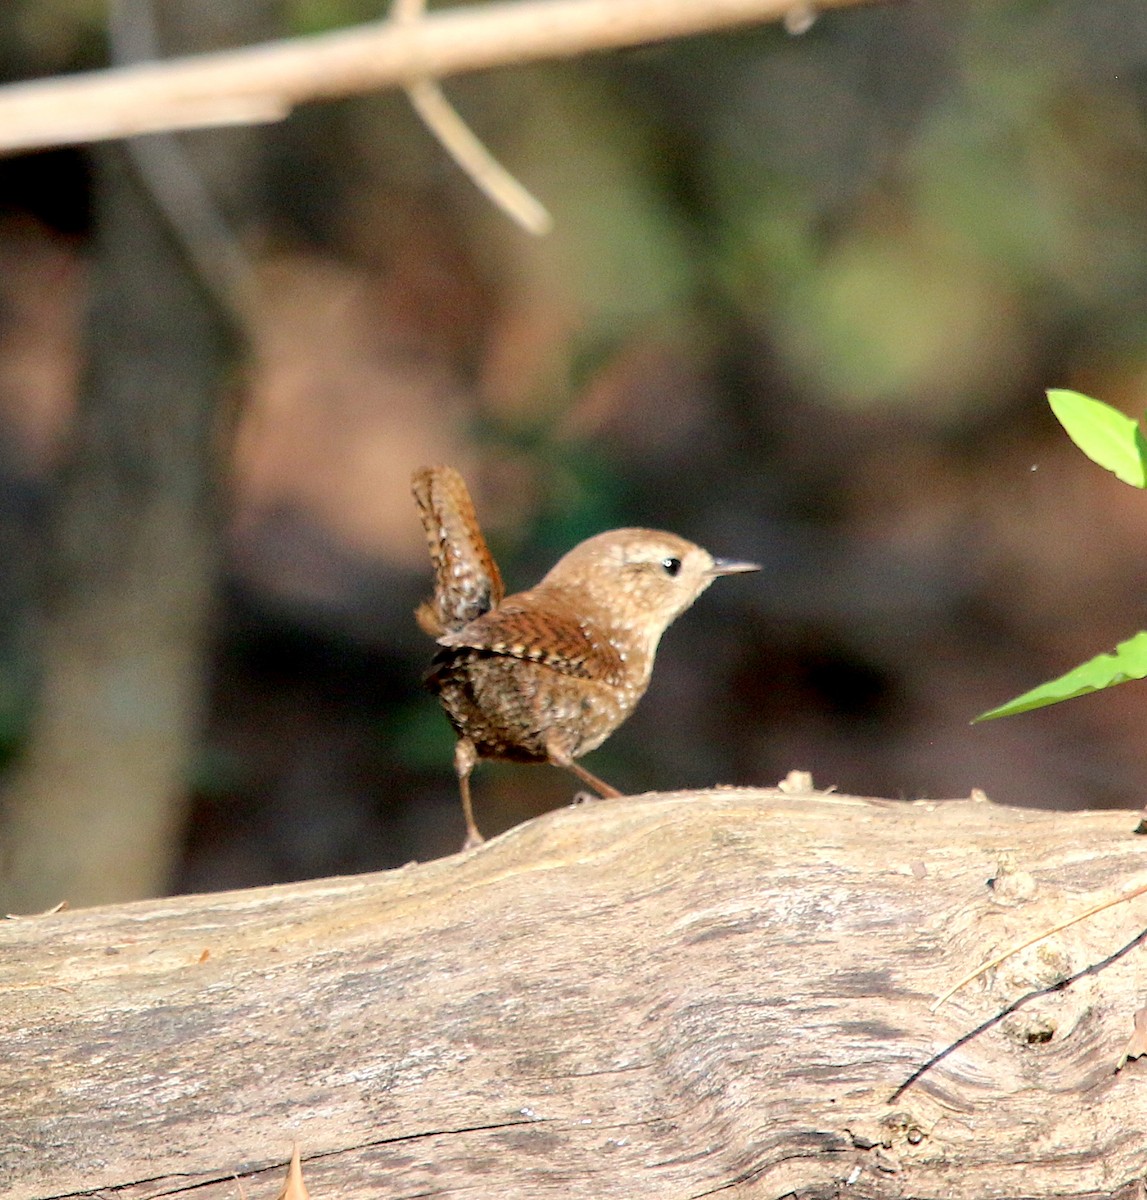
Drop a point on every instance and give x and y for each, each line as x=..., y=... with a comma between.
x=548, y=674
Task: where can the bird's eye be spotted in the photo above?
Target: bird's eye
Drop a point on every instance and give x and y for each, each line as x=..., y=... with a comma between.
x=671, y=567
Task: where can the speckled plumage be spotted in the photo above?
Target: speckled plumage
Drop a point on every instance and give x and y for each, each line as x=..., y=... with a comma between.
x=467, y=581
x=548, y=674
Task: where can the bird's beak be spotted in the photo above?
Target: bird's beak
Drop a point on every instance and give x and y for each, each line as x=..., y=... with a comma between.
x=728, y=566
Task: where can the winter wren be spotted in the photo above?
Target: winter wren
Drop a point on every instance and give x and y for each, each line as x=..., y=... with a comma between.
x=546, y=675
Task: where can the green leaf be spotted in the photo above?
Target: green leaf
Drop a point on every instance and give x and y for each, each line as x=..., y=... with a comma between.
x=1105, y=670
x=1103, y=433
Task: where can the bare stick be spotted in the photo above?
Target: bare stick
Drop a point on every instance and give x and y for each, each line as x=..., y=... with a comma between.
x=471, y=155
x=463, y=145
x=1039, y=937
x=263, y=83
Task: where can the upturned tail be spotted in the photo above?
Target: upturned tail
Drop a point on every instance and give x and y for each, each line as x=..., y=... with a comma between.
x=467, y=582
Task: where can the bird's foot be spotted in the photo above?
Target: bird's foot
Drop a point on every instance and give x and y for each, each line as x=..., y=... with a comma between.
x=473, y=840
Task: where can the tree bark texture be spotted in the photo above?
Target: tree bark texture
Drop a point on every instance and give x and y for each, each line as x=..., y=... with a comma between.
x=672, y=996
x=134, y=546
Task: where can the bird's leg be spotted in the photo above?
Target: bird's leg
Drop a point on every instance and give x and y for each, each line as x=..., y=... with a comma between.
x=465, y=756
x=560, y=757
x=603, y=789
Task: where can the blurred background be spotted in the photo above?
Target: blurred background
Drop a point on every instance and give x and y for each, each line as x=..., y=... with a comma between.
x=800, y=305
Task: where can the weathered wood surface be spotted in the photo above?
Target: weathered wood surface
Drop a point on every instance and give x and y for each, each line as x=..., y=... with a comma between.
x=672, y=996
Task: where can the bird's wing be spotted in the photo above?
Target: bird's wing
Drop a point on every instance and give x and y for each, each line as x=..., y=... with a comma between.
x=539, y=627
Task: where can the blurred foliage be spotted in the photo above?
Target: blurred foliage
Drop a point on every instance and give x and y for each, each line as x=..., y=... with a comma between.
x=321, y=16
x=899, y=239
x=47, y=37
x=419, y=736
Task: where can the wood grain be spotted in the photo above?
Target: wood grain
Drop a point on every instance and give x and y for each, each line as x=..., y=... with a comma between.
x=669, y=996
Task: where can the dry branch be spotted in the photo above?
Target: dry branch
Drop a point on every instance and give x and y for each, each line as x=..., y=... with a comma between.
x=263, y=83
x=666, y=997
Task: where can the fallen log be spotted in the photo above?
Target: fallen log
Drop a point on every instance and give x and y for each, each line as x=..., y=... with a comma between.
x=668, y=996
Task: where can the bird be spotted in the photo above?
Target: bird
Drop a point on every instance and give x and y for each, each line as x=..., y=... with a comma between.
x=546, y=675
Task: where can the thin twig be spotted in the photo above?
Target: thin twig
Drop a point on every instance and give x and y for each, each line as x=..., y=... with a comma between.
x=1015, y=1006
x=1039, y=937
x=472, y=156
x=263, y=83
x=463, y=145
